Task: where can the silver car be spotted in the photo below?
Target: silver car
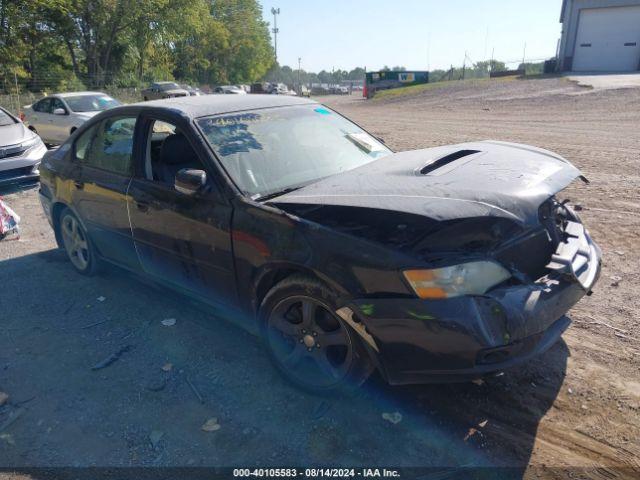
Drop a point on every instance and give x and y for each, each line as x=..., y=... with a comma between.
x=21, y=151
x=160, y=90
x=229, y=90
x=56, y=117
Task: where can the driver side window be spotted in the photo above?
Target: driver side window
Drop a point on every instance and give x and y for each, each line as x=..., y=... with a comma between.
x=56, y=103
x=168, y=152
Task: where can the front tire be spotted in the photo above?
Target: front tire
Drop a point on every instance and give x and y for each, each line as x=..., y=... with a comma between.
x=77, y=244
x=308, y=343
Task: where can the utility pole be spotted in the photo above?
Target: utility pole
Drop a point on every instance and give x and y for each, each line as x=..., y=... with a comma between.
x=429, y=52
x=15, y=79
x=493, y=54
x=486, y=43
x=524, y=53
x=275, y=12
x=464, y=65
x=299, y=73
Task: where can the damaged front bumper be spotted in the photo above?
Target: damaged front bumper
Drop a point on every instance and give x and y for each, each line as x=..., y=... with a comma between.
x=457, y=339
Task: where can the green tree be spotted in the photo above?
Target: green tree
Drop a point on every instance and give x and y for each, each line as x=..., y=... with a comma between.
x=249, y=55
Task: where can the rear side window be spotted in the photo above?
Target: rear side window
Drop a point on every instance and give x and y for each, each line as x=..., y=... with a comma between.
x=111, y=147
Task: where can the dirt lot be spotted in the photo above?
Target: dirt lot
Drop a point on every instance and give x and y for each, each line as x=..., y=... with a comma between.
x=578, y=405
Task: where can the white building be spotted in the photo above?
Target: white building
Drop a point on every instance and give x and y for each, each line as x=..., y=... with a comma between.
x=600, y=36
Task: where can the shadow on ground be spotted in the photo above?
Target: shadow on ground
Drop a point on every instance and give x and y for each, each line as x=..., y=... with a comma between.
x=57, y=324
x=15, y=188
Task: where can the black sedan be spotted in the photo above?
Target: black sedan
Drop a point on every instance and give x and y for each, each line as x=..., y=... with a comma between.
x=445, y=264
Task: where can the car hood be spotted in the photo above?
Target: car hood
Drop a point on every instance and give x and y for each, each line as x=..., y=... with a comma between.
x=12, y=134
x=481, y=179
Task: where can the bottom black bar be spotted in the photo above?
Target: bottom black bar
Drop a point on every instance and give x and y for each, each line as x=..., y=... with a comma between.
x=204, y=473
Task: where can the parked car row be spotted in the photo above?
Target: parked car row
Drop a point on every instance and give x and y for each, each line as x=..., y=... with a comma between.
x=272, y=89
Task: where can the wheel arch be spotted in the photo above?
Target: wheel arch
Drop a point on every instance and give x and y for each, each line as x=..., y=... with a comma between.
x=270, y=275
x=56, y=210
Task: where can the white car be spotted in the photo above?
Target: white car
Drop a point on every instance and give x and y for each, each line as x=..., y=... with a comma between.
x=229, y=90
x=56, y=117
x=20, y=151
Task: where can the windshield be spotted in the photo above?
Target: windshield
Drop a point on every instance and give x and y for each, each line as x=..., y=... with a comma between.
x=91, y=103
x=167, y=86
x=6, y=119
x=271, y=150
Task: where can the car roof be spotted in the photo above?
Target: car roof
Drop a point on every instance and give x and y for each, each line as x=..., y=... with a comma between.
x=195, y=107
x=74, y=94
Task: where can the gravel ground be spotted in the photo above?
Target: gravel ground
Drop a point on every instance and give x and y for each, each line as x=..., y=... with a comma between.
x=578, y=405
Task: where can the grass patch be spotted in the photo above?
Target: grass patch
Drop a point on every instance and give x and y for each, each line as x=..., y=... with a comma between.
x=418, y=89
x=407, y=91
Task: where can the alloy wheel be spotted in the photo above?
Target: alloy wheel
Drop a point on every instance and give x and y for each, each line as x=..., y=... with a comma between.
x=310, y=342
x=75, y=242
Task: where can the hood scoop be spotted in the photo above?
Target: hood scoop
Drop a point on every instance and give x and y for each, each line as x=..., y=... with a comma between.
x=434, y=165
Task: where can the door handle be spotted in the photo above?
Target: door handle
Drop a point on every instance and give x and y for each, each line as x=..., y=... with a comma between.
x=142, y=206
x=79, y=185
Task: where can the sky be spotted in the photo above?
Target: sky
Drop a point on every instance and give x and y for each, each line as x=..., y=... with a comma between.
x=416, y=34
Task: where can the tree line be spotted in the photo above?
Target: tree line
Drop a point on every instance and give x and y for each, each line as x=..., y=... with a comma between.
x=64, y=44
x=76, y=44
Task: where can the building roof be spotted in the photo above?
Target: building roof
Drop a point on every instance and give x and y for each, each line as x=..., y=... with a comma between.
x=200, y=106
x=564, y=6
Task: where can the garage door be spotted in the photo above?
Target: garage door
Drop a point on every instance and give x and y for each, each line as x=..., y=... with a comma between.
x=608, y=40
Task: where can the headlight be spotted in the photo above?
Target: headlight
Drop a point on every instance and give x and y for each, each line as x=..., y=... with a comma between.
x=473, y=278
x=32, y=142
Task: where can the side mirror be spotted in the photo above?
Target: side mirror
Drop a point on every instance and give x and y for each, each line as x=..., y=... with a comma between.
x=190, y=181
x=59, y=111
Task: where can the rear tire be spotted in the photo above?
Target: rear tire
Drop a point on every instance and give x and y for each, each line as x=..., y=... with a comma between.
x=77, y=244
x=308, y=343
